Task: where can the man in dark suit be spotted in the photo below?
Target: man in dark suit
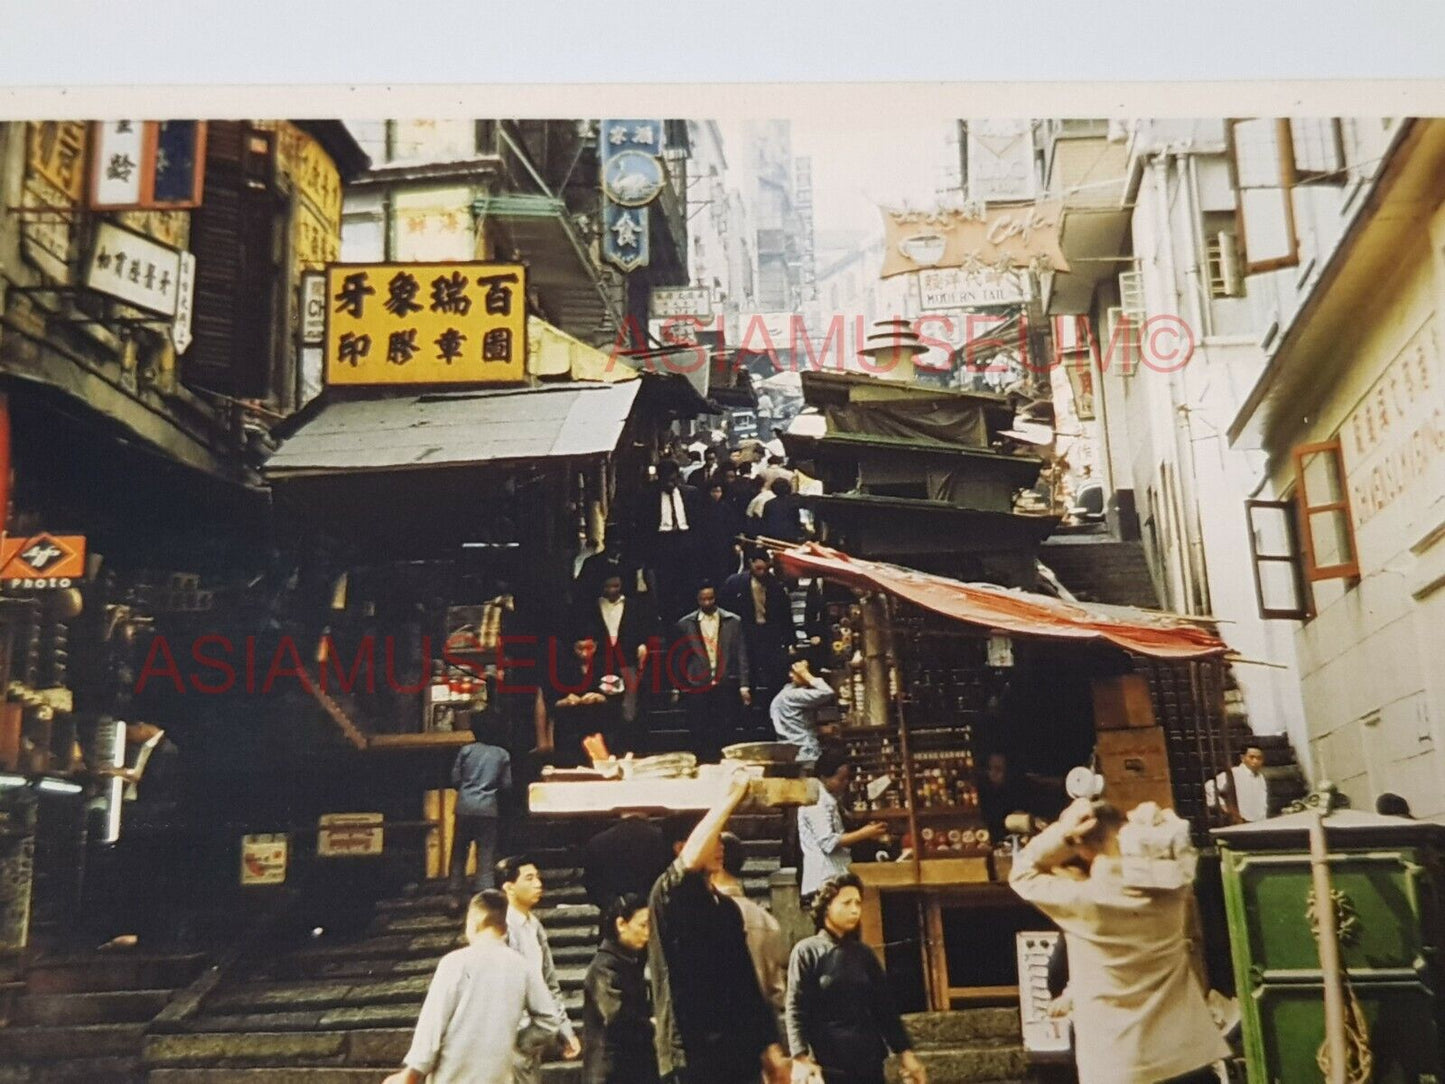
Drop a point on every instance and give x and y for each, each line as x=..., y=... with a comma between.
x=667, y=518
x=708, y=663
x=620, y=629
x=761, y=602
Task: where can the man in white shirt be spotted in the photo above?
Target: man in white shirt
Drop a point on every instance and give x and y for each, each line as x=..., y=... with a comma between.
x=1242, y=793
x=825, y=844
x=523, y=887
x=474, y=1005
x=1139, y=1011
x=667, y=515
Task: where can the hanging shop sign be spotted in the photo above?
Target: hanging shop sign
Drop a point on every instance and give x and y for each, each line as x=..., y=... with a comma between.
x=147, y=165
x=185, y=303
x=426, y=323
x=349, y=835
x=632, y=177
x=263, y=859
x=1000, y=160
x=42, y=560
x=976, y=238
x=133, y=268
x=313, y=308
x=952, y=288
x=681, y=301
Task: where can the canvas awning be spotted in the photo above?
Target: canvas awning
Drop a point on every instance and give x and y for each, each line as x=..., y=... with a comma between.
x=1018, y=613
x=442, y=429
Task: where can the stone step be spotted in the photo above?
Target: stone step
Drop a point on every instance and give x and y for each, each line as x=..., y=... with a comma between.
x=551, y=1074
x=51, y=1044
x=977, y=1064
x=941, y=1029
x=111, y=1007
x=379, y=1047
x=87, y=1070
x=102, y=972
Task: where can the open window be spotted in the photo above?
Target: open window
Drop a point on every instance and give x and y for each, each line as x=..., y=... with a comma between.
x=1324, y=509
x=1278, y=559
x=1262, y=163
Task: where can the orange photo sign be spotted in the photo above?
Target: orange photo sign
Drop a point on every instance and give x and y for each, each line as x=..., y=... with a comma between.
x=42, y=560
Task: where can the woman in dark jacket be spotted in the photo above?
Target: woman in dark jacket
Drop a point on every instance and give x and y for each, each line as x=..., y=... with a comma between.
x=616, y=1014
x=840, y=1013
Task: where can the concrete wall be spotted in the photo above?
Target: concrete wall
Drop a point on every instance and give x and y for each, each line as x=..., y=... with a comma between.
x=1369, y=659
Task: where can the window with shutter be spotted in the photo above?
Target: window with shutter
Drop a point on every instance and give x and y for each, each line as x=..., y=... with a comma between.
x=234, y=239
x=1261, y=156
x=1324, y=506
x=1274, y=549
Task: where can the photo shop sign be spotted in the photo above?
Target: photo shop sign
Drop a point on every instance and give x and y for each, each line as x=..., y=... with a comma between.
x=975, y=238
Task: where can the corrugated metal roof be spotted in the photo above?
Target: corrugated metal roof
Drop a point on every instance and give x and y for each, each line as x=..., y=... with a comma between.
x=453, y=428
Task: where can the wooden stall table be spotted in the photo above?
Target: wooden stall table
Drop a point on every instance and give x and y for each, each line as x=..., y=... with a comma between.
x=937, y=883
x=673, y=795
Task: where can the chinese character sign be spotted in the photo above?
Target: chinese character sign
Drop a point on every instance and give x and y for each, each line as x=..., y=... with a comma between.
x=57, y=153
x=135, y=269
x=426, y=323
x=147, y=165
x=632, y=177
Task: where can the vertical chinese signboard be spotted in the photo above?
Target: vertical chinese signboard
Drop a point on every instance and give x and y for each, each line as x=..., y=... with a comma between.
x=54, y=183
x=426, y=323
x=141, y=165
x=632, y=177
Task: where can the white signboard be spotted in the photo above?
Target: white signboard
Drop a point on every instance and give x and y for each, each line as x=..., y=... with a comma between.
x=185, y=302
x=684, y=301
x=135, y=269
x=1042, y=1033
x=313, y=308
x=117, y=161
x=1000, y=160
x=263, y=859
x=347, y=835
x=952, y=288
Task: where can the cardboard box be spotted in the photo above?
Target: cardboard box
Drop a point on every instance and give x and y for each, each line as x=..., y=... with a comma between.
x=1122, y=701
x=1135, y=766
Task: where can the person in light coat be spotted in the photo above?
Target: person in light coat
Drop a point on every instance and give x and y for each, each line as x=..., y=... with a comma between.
x=1139, y=1011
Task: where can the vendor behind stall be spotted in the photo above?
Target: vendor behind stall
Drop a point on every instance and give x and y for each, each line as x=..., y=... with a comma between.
x=572, y=705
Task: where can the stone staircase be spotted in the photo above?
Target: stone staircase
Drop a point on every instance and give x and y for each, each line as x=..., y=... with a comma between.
x=83, y=1019
x=969, y=1046
x=342, y=1013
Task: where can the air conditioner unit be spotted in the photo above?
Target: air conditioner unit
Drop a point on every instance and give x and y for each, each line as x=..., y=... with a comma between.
x=1131, y=294
x=1226, y=277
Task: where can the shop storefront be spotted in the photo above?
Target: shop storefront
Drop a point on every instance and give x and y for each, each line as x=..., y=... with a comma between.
x=964, y=705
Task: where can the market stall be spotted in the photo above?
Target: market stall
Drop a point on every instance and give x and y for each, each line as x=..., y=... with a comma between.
x=964, y=706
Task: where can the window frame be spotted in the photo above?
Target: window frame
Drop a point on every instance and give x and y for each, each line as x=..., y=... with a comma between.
x=1314, y=573
x=1335, y=135
x=1288, y=178
x=1295, y=559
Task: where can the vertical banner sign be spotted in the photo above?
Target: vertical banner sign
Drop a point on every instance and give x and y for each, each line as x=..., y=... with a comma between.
x=185, y=301
x=120, y=154
x=632, y=177
x=147, y=165
x=426, y=323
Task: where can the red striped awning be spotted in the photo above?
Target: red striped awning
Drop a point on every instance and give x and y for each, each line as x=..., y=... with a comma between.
x=1019, y=613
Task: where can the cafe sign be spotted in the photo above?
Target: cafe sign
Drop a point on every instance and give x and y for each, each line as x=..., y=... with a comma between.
x=426, y=323
x=975, y=238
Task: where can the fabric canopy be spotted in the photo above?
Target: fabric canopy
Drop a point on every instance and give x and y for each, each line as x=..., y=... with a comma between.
x=1016, y=612
x=949, y=420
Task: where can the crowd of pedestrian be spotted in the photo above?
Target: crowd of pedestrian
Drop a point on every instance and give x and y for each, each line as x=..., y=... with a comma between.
x=692, y=982
x=678, y=610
